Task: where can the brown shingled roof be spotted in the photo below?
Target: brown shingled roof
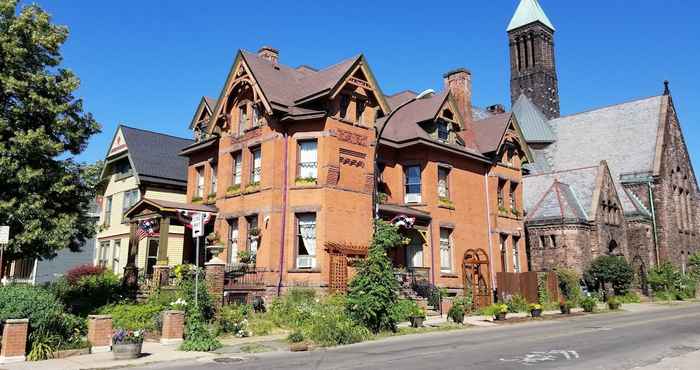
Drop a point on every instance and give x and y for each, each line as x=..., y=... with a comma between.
x=489, y=132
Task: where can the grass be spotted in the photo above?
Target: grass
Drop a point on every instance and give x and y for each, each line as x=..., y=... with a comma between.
x=426, y=329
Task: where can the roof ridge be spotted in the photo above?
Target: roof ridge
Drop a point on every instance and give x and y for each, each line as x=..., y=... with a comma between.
x=562, y=171
x=402, y=92
x=606, y=107
x=153, y=132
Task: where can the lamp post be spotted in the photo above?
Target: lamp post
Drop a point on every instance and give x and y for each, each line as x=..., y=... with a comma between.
x=378, y=135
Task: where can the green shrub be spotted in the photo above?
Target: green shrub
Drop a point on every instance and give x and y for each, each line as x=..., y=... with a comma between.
x=260, y=324
x=569, y=284
x=293, y=309
x=404, y=309
x=233, y=320
x=495, y=309
x=90, y=292
x=40, y=306
x=630, y=297
x=456, y=313
x=589, y=304
x=669, y=283
x=198, y=337
x=614, y=303
x=186, y=291
x=329, y=324
x=374, y=290
x=610, y=269
x=295, y=337
x=466, y=301
x=43, y=345
x=516, y=303
x=135, y=316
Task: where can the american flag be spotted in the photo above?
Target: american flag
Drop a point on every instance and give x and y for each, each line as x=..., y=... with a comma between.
x=148, y=228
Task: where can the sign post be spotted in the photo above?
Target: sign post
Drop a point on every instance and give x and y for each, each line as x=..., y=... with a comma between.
x=4, y=240
x=197, y=232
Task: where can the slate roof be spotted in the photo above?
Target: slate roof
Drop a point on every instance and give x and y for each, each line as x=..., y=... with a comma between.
x=532, y=122
x=529, y=11
x=568, y=192
x=155, y=155
x=489, y=132
x=624, y=135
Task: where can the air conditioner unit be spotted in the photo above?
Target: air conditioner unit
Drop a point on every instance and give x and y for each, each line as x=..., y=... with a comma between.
x=305, y=262
x=412, y=198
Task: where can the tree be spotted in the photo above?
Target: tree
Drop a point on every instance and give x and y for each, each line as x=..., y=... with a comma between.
x=90, y=173
x=610, y=269
x=694, y=266
x=373, y=292
x=42, y=124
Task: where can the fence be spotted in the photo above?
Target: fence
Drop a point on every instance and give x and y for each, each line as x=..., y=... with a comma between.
x=526, y=284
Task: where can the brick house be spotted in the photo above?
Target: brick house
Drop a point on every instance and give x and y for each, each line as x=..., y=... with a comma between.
x=613, y=180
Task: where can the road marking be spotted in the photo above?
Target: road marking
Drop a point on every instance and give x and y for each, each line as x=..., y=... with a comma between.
x=538, y=356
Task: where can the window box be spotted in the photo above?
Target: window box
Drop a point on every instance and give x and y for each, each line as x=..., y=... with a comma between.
x=211, y=198
x=515, y=213
x=502, y=210
x=305, y=181
x=197, y=200
x=252, y=187
x=446, y=203
x=233, y=190
x=382, y=198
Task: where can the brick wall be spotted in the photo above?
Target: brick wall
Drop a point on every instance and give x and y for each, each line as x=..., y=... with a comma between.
x=173, y=327
x=100, y=332
x=14, y=340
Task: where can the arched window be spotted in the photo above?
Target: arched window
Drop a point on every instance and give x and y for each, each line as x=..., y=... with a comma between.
x=613, y=248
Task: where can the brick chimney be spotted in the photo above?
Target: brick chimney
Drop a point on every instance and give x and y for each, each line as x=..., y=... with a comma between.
x=496, y=109
x=459, y=83
x=269, y=53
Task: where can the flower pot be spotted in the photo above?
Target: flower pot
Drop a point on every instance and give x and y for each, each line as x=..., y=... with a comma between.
x=299, y=347
x=126, y=351
x=565, y=310
x=417, y=321
x=215, y=250
x=458, y=319
x=536, y=313
x=501, y=316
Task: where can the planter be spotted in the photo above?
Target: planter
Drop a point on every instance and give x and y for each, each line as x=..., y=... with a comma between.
x=299, y=347
x=501, y=317
x=417, y=321
x=239, y=267
x=126, y=351
x=614, y=306
x=458, y=319
x=565, y=310
x=215, y=250
x=536, y=313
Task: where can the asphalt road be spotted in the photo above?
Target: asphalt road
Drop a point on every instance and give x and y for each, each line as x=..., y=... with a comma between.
x=604, y=341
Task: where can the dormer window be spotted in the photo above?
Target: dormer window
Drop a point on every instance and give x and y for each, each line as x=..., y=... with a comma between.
x=242, y=118
x=344, y=104
x=443, y=131
x=359, y=112
x=256, y=116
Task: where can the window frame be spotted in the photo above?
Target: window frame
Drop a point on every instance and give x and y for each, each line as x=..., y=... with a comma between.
x=299, y=169
x=116, y=252
x=299, y=237
x=449, y=249
x=213, y=178
x=199, y=183
x=251, y=220
x=108, y=211
x=253, y=150
x=448, y=171
x=242, y=117
x=237, y=168
x=407, y=184
x=128, y=194
x=503, y=249
x=516, y=254
x=439, y=124
x=343, y=105
x=360, y=106
x=512, y=196
x=233, y=257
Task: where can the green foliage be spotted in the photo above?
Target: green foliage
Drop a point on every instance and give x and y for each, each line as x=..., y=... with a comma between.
x=186, y=291
x=260, y=324
x=542, y=291
x=374, y=290
x=43, y=345
x=456, y=313
x=630, y=297
x=44, y=196
x=198, y=337
x=516, y=303
x=233, y=320
x=466, y=301
x=404, y=309
x=569, y=284
x=669, y=283
x=610, y=269
x=495, y=309
x=589, y=304
x=89, y=293
x=614, y=303
x=295, y=337
x=39, y=305
x=135, y=316
x=694, y=266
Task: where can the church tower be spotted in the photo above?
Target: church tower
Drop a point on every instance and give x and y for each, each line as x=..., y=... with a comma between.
x=532, y=67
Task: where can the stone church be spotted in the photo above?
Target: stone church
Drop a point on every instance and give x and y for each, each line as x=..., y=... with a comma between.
x=615, y=180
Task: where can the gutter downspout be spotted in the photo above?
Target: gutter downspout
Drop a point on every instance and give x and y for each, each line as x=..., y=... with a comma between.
x=653, y=222
x=285, y=190
x=488, y=221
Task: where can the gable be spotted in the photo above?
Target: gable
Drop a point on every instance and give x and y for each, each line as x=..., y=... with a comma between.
x=360, y=76
x=118, y=144
x=672, y=156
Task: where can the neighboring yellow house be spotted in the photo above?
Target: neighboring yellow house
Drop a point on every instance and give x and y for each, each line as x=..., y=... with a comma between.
x=139, y=164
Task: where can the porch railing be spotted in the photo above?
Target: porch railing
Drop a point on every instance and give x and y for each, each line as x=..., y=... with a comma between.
x=250, y=278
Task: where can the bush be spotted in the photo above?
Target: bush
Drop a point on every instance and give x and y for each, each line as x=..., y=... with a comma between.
x=630, y=297
x=87, y=294
x=198, y=337
x=404, y=309
x=495, y=309
x=589, y=304
x=295, y=337
x=74, y=274
x=186, y=292
x=569, y=284
x=669, y=283
x=456, y=313
x=260, y=324
x=233, y=320
x=40, y=306
x=374, y=290
x=329, y=324
x=516, y=303
x=136, y=316
x=466, y=301
x=610, y=269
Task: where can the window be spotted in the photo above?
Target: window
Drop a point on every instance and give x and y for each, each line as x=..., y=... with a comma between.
x=306, y=240
x=344, y=104
x=102, y=253
x=256, y=169
x=443, y=130
x=443, y=182
x=152, y=256
x=130, y=198
x=543, y=241
x=412, y=188
x=445, y=250
x=233, y=240
x=108, y=211
x=199, y=184
x=253, y=233
x=501, y=200
x=359, y=111
x=516, y=255
x=511, y=196
x=242, y=118
x=212, y=189
x=308, y=159
x=237, y=168
x=504, y=253
x=256, y=116
x=115, y=255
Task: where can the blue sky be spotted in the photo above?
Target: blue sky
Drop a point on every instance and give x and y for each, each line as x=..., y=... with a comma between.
x=147, y=63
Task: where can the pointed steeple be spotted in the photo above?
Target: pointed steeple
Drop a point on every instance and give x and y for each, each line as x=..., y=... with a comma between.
x=529, y=11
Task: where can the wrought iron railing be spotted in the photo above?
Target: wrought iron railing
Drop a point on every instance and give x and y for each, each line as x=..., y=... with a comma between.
x=244, y=278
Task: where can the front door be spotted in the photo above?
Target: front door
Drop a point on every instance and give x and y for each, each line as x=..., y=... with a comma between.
x=152, y=255
x=414, y=251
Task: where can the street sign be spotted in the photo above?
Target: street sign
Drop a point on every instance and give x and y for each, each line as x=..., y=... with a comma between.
x=197, y=227
x=4, y=234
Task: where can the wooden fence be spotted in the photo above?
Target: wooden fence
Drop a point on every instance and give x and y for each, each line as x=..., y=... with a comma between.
x=525, y=284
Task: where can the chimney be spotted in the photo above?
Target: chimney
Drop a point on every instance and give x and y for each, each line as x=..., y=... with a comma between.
x=496, y=109
x=459, y=83
x=269, y=53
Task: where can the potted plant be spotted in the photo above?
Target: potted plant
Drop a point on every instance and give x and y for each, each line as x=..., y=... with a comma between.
x=215, y=246
x=456, y=313
x=246, y=257
x=565, y=307
x=614, y=303
x=535, y=310
x=254, y=233
x=588, y=304
x=296, y=342
x=417, y=316
x=498, y=311
x=127, y=344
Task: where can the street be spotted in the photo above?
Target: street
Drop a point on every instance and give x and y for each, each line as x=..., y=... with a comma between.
x=605, y=341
